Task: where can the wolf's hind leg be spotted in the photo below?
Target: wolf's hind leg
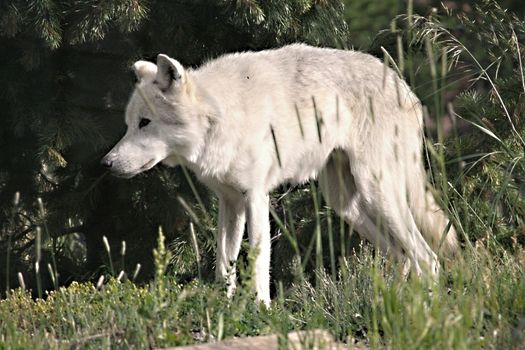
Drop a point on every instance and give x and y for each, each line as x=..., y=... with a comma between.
x=339, y=190
x=406, y=233
x=386, y=196
x=376, y=211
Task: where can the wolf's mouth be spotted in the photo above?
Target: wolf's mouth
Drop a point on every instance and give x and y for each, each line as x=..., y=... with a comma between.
x=148, y=165
x=124, y=175
x=128, y=175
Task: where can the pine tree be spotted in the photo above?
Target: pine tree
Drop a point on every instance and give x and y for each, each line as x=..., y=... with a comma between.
x=64, y=67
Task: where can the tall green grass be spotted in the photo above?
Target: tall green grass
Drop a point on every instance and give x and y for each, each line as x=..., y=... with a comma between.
x=478, y=303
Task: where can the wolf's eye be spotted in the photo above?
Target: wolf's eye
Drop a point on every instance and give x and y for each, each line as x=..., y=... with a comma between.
x=143, y=122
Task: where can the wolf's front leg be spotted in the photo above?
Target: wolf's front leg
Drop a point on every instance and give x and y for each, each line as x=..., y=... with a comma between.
x=259, y=235
x=232, y=209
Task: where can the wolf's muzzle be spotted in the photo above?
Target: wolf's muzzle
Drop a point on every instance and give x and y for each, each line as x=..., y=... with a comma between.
x=106, y=162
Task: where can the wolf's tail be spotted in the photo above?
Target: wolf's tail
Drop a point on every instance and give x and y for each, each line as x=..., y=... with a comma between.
x=439, y=233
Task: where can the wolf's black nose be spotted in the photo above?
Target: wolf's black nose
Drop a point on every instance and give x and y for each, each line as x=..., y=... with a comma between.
x=106, y=163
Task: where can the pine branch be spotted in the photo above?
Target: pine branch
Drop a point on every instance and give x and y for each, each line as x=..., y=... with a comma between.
x=46, y=19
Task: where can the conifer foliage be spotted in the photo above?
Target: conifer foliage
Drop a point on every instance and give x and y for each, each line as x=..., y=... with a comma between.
x=485, y=167
x=65, y=81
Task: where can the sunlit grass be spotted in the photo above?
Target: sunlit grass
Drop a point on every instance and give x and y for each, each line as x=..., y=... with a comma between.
x=478, y=303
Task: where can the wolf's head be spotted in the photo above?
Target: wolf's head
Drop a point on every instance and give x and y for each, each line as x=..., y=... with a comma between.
x=163, y=122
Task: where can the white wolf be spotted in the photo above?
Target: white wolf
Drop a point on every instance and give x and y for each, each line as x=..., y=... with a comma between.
x=246, y=123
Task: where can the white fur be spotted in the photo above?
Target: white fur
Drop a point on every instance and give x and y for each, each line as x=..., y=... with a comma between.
x=362, y=135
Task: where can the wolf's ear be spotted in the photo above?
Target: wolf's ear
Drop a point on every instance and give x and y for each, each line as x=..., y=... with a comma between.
x=144, y=69
x=169, y=73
